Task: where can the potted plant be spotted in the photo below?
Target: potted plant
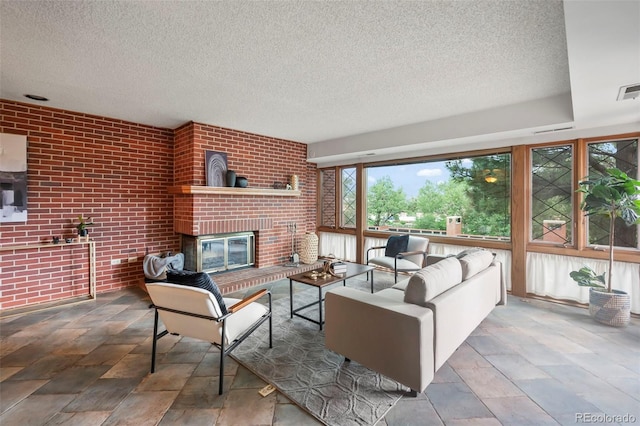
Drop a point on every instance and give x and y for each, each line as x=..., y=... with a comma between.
x=614, y=195
x=82, y=226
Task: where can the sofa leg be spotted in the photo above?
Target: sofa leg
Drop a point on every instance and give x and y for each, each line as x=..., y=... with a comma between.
x=346, y=359
x=412, y=393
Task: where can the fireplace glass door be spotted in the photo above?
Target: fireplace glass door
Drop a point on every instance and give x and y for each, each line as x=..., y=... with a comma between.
x=217, y=253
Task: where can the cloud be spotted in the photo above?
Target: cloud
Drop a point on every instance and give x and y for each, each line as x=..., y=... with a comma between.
x=429, y=172
x=371, y=179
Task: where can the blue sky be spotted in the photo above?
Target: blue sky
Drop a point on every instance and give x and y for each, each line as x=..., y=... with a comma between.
x=411, y=177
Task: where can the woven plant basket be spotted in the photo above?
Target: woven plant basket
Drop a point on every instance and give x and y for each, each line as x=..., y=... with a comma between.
x=610, y=308
x=308, y=248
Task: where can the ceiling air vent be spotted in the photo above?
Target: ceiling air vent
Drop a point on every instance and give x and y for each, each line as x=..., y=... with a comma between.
x=629, y=92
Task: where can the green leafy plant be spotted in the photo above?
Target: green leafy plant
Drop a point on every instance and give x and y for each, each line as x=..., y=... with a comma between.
x=83, y=223
x=612, y=195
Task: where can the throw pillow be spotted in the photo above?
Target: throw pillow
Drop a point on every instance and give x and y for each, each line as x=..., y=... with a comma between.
x=433, y=280
x=197, y=279
x=396, y=244
x=474, y=262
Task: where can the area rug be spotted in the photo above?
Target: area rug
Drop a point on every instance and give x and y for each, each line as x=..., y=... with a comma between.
x=316, y=379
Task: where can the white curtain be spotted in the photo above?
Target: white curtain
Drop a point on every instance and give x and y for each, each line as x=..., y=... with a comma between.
x=548, y=275
x=342, y=246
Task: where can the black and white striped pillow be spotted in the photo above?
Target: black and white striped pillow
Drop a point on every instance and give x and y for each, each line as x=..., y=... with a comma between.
x=197, y=279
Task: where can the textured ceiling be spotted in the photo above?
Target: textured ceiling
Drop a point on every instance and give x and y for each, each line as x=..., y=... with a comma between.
x=307, y=71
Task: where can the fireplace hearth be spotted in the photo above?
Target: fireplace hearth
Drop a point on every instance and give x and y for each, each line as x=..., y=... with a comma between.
x=219, y=252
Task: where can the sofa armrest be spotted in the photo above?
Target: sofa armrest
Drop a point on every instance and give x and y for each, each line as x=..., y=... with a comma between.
x=385, y=335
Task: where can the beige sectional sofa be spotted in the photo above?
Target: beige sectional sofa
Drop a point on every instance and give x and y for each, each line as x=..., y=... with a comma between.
x=407, y=332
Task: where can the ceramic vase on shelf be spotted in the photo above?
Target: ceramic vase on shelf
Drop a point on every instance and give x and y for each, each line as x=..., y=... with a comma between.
x=309, y=248
x=231, y=178
x=294, y=182
x=242, y=182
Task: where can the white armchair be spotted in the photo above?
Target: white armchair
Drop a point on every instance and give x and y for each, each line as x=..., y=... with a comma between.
x=402, y=253
x=195, y=312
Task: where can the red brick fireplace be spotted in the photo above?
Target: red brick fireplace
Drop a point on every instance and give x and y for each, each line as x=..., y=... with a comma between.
x=201, y=210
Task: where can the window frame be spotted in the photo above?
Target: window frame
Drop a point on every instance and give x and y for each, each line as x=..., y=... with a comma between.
x=580, y=246
x=529, y=191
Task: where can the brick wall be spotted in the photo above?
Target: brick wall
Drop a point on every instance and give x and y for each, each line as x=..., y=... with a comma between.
x=114, y=171
x=118, y=172
x=263, y=161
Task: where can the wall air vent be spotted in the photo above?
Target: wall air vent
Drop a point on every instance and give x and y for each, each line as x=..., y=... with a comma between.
x=552, y=130
x=629, y=92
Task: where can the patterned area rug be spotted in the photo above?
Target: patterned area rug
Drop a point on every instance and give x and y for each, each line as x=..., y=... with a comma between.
x=318, y=380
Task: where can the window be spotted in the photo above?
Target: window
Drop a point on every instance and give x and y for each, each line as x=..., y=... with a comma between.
x=328, y=198
x=552, y=194
x=622, y=155
x=467, y=198
x=348, y=210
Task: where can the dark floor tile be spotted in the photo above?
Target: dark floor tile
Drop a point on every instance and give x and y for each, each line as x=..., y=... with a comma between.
x=555, y=397
x=191, y=417
x=141, y=409
x=25, y=355
x=35, y=410
x=79, y=419
x=12, y=392
x=200, y=393
x=102, y=395
x=408, y=412
x=455, y=401
x=73, y=380
x=489, y=345
x=46, y=367
x=292, y=415
x=106, y=355
x=245, y=379
x=518, y=411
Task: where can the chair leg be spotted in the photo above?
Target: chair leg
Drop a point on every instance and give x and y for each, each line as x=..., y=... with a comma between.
x=270, y=323
x=222, y=354
x=156, y=336
x=155, y=342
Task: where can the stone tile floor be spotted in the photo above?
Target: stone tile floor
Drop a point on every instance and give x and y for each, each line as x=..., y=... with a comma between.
x=529, y=363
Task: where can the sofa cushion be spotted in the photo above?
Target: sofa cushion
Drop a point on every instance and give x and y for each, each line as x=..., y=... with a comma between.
x=467, y=252
x=198, y=279
x=474, y=262
x=433, y=280
x=396, y=244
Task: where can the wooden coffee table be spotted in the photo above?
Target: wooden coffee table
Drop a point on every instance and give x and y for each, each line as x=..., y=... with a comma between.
x=353, y=269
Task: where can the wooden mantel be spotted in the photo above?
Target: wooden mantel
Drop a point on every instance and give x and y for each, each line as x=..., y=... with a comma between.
x=223, y=190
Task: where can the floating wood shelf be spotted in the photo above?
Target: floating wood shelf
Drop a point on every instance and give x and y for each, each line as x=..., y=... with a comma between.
x=223, y=190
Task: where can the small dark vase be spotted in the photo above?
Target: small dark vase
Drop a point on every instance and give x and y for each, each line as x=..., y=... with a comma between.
x=241, y=182
x=231, y=178
x=83, y=232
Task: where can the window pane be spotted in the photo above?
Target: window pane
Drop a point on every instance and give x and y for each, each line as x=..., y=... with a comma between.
x=602, y=156
x=552, y=194
x=348, y=210
x=328, y=198
x=466, y=198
